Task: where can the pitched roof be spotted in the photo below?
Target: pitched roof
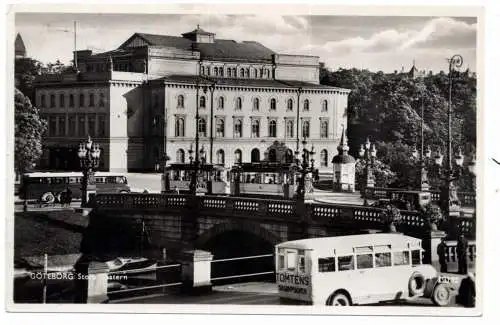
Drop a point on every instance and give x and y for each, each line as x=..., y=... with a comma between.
x=219, y=49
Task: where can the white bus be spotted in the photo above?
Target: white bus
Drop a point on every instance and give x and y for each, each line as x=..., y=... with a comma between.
x=352, y=270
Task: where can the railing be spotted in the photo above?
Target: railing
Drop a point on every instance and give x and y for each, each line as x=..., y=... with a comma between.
x=451, y=255
x=466, y=198
x=245, y=275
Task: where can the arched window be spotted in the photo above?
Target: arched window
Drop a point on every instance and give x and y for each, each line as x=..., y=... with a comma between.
x=289, y=156
x=262, y=72
x=324, y=129
x=255, y=155
x=305, y=129
x=289, y=129
x=71, y=100
x=42, y=100
x=203, y=102
x=289, y=104
x=237, y=156
x=255, y=128
x=272, y=129
x=238, y=128
x=82, y=100
x=221, y=71
x=272, y=155
x=324, y=158
x=220, y=157
x=180, y=156
x=180, y=101
x=239, y=103
x=216, y=71
x=324, y=106
x=242, y=73
x=256, y=104
x=219, y=128
x=202, y=70
x=221, y=102
x=91, y=100
x=255, y=73
x=247, y=73
x=306, y=105
x=273, y=104
x=229, y=74
x=101, y=100
x=234, y=73
x=268, y=74
x=202, y=127
x=179, y=127
x=52, y=100
x=208, y=71
x=61, y=100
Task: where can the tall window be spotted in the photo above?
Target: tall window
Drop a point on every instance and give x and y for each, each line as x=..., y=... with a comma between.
x=101, y=129
x=221, y=71
x=272, y=129
x=71, y=100
x=203, y=102
x=256, y=104
x=324, y=106
x=180, y=101
x=91, y=125
x=234, y=73
x=255, y=155
x=237, y=156
x=273, y=104
x=61, y=100
x=91, y=100
x=255, y=73
x=220, y=128
x=306, y=105
x=62, y=125
x=53, y=126
x=208, y=71
x=81, y=125
x=289, y=129
x=247, y=73
x=216, y=71
x=239, y=103
x=101, y=100
x=52, y=100
x=221, y=102
x=179, y=156
x=238, y=128
x=202, y=70
x=305, y=129
x=202, y=127
x=179, y=127
x=82, y=100
x=289, y=105
x=220, y=157
x=255, y=128
x=42, y=100
x=324, y=158
x=242, y=73
x=71, y=125
x=324, y=129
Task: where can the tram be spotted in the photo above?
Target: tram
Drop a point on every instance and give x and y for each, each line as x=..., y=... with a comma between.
x=264, y=179
x=211, y=179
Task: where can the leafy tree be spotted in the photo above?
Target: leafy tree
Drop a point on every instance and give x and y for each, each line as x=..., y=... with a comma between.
x=383, y=174
x=29, y=128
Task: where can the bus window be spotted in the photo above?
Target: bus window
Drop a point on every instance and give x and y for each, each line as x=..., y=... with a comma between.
x=99, y=180
x=415, y=257
x=382, y=259
x=281, y=261
x=291, y=261
x=302, y=262
x=326, y=264
x=110, y=180
x=346, y=263
x=401, y=258
x=73, y=180
x=364, y=261
x=121, y=180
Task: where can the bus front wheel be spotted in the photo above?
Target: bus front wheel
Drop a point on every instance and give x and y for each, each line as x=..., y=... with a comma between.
x=48, y=198
x=441, y=295
x=339, y=299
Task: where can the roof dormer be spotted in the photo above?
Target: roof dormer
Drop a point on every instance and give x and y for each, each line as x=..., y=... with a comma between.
x=199, y=36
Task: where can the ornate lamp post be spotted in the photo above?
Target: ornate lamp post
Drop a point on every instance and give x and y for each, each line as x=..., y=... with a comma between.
x=161, y=165
x=424, y=160
x=89, y=154
x=200, y=158
x=368, y=153
x=305, y=168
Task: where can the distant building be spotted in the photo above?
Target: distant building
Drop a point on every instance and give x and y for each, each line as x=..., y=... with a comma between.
x=20, y=49
x=139, y=102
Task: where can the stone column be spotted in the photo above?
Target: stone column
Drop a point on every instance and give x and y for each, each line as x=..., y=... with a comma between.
x=91, y=282
x=196, y=271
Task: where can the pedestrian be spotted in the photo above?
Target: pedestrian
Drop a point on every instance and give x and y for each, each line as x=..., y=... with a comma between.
x=69, y=197
x=441, y=251
x=462, y=247
x=467, y=291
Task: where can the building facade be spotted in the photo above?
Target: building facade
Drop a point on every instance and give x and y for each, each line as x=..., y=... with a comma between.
x=140, y=101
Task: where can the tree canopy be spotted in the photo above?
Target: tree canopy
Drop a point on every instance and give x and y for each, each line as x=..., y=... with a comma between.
x=387, y=108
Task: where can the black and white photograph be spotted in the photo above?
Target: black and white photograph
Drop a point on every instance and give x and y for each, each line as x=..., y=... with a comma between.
x=202, y=159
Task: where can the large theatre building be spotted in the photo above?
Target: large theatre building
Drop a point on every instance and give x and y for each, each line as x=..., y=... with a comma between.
x=139, y=102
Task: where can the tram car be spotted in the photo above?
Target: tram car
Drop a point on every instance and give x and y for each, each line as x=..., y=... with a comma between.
x=264, y=179
x=211, y=179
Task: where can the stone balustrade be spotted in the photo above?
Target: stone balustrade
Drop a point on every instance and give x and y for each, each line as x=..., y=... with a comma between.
x=466, y=198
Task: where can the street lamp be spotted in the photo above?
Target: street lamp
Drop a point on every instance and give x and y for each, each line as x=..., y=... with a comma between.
x=305, y=168
x=162, y=163
x=368, y=153
x=89, y=154
x=199, y=159
x=424, y=159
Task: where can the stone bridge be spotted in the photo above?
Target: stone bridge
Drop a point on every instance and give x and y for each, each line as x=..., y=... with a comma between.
x=231, y=226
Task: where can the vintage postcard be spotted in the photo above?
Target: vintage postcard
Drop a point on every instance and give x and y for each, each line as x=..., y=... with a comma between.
x=271, y=159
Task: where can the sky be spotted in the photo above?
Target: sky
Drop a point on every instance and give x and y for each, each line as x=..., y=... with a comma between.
x=386, y=43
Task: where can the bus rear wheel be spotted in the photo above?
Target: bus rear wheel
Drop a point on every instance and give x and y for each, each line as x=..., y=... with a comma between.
x=339, y=299
x=48, y=198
